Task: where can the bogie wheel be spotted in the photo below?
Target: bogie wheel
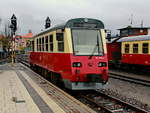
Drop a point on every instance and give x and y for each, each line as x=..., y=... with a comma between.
x=54, y=78
x=45, y=73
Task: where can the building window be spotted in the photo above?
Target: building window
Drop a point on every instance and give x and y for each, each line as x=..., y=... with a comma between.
x=127, y=46
x=60, y=40
x=135, y=48
x=51, y=42
x=145, y=48
x=46, y=43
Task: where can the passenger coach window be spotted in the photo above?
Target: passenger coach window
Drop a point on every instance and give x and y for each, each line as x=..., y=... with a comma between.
x=127, y=48
x=46, y=43
x=145, y=47
x=51, y=42
x=60, y=40
x=135, y=48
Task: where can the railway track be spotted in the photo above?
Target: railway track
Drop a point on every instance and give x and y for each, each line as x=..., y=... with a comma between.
x=105, y=103
x=108, y=104
x=129, y=79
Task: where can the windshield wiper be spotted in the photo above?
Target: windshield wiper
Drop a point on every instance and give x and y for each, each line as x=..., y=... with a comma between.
x=94, y=50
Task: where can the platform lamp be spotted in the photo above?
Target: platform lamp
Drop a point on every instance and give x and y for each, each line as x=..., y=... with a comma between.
x=13, y=27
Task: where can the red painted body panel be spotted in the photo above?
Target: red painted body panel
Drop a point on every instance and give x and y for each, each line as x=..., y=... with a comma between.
x=113, y=48
x=62, y=63
x=140, y=59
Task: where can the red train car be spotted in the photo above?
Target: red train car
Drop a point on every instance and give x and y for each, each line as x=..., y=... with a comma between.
x=74, y=53
x=114, y=51
x=134, y=50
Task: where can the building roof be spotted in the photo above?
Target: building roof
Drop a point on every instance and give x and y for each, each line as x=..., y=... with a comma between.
x=28, y=35
x=134, y=38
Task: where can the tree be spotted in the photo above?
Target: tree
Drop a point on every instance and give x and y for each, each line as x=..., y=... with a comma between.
x=6, y=37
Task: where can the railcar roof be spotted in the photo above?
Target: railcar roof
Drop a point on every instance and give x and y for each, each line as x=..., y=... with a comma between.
x=70, y=24
x=60, y=26
x=134, y=38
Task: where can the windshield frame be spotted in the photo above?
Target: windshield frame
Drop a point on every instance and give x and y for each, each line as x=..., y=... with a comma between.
x=73, y=46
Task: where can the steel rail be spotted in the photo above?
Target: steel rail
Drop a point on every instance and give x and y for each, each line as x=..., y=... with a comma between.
x=138, y=110
x=129, y=79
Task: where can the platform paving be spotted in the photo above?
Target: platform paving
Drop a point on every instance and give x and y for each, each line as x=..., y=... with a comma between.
x=19, y=94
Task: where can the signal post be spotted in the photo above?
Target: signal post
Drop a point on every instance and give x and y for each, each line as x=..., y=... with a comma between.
x=13, y=27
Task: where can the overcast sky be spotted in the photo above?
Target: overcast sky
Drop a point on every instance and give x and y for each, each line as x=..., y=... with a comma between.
x=31, y=14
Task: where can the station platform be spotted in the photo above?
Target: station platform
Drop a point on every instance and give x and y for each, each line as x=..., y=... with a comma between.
x=19, y=93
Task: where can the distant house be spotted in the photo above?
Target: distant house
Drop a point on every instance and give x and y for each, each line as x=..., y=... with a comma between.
x=21, y=41
x=133, y=31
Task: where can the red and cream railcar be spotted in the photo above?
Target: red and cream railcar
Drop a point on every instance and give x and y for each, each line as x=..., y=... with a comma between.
x=74, y=53
x=135, y=50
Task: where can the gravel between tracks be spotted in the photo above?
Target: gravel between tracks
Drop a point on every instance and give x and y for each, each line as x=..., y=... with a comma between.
x=129, y=90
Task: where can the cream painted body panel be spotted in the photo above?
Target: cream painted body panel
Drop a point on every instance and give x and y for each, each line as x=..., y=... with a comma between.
x=68, y=47
x=131, y=46
x=102, y=31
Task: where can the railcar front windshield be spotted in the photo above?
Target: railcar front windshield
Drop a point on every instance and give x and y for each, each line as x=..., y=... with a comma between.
x=87, y=42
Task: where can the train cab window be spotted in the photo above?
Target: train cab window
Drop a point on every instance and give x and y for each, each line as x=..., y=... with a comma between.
x=135, y=48
x=145, y=48
x=51, y=42
x=46, y=43
x=60, y=40
x=127, y=46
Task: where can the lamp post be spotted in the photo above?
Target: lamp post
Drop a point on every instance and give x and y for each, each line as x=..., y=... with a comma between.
x=13, y=27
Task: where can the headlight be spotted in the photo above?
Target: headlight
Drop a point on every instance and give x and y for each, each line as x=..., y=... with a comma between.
x=76, y=64
x=102, y=64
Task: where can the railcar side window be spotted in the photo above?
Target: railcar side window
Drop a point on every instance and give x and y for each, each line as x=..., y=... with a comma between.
x=145, y=48
x=32, y=45
x=135, y=48
x=42, y=44
x=60, y=40
x=51, y=42
x=37, y=44
x=46, y=43
x=127, y=46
